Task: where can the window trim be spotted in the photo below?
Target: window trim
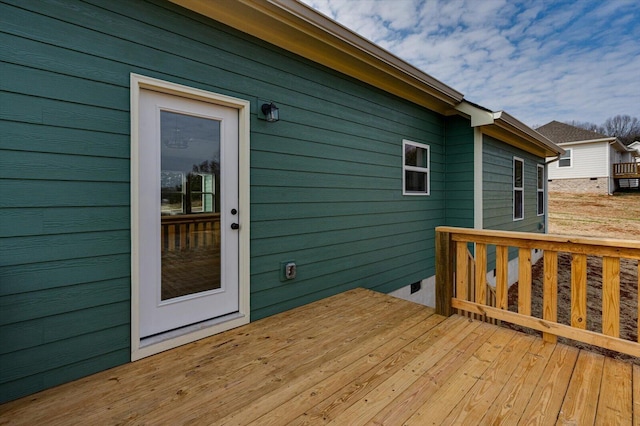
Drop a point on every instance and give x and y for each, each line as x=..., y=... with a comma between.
x=517, y=189
x=540, y=190
x=569, y=153
x=406, y=168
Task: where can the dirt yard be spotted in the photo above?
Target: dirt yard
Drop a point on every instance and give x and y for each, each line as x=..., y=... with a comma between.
x=612, y=216
x=616, y=216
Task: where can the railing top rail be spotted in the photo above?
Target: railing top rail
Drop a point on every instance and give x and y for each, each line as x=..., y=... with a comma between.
x=472, y=234
x=189, y=218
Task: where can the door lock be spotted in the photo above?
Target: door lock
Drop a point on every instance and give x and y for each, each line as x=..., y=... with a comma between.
x=235, y=226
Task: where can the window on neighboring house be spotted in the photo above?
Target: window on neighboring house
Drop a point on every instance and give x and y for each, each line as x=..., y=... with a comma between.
x=415, y=167
x=518, y=188
x=540, y=189
x=566, y=159
x=187, y=193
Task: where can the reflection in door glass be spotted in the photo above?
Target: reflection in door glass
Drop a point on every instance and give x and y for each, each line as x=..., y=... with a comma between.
x=190, y=204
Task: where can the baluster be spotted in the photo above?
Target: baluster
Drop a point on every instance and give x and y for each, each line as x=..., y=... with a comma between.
x=579, y=291
x=502, y=276
x=524, y=281
x=171, y=236
x=611, y=296
x=481, y=273
x=461, y=270
x=200, y=232
x=209, y=233
x=183, y=236
x=550, y=292
x=163, y=239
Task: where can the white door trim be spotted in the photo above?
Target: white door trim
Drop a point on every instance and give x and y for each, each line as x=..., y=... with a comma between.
x=138, y=348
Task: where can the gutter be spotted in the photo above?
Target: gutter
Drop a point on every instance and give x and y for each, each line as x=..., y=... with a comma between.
x=300, y=29
x=504, y=117
x=609, y=140
x=617, y=142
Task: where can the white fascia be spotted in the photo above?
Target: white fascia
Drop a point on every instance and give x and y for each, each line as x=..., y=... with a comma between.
x=479, y=116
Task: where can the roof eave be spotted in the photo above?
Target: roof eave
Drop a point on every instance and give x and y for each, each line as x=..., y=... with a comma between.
x=299, y=29
x=507, y=128
x=587, y=141
x=618, y=145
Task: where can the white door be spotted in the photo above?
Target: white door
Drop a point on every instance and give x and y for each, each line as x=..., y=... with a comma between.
x=188, y=187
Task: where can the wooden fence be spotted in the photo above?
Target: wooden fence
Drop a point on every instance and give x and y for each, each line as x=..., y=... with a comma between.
x=462, y=287
x=184, y=232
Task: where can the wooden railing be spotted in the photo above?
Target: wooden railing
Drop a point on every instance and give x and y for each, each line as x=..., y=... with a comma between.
x=458, y=288
x=488, y=295
x=183, y=232
x=626, y=170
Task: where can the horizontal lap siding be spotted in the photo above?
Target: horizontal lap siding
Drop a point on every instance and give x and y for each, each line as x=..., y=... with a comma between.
x=326, y=179
x=326, y=192
x=64, y=211
x=460, y=172
x=498, y=191
x=587, y=161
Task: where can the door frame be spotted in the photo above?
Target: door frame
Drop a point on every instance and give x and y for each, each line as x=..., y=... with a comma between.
x=143, y=348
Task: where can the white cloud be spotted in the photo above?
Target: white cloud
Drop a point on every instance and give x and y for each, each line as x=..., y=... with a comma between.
x=540, y=61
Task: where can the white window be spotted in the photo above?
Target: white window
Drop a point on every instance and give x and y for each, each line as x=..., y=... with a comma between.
x=540, y=190
x=566, y=159
x=416, y=179
x=518, y=188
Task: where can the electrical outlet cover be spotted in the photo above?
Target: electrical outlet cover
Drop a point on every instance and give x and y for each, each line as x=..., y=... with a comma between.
x=283, y=270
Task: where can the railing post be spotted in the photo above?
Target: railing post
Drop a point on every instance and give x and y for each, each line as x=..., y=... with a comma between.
x=444, y=273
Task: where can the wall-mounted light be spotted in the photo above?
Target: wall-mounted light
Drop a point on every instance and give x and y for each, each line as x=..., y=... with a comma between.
x=271, y=112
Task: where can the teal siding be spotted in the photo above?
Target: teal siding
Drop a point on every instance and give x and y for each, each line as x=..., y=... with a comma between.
x=497, y=190
x=325, y=180
x=497, y=159
x=460, y=173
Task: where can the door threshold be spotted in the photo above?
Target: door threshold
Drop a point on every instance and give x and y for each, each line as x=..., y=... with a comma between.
x=171, y=339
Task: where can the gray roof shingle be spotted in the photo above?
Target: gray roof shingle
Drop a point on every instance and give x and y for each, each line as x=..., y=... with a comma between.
x=561, y=132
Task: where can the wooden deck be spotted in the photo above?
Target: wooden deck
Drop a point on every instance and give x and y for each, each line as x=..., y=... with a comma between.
x=356, y=358
x=626, y=171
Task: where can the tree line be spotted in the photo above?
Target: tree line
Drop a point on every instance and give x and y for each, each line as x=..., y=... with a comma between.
x=623, y=127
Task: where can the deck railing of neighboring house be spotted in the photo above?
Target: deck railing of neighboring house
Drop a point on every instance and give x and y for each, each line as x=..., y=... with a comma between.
x=183, y=232
x=462, y=287
x=626, y=170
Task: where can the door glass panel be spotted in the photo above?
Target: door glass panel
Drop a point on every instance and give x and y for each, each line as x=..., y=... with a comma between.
x=190, y=206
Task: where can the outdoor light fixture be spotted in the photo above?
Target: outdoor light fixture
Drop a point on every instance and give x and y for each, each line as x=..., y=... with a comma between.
x=270, y=111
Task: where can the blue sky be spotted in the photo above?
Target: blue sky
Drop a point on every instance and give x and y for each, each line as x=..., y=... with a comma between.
x=539, y=60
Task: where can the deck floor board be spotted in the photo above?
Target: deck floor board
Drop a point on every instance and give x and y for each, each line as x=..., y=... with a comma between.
x=359, y=357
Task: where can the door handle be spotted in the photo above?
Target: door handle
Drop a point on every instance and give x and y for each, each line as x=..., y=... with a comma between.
x=235, y=226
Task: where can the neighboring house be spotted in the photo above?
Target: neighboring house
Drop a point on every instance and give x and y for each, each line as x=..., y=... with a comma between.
x=636, y=147
x=587, y=163
x=171, y=170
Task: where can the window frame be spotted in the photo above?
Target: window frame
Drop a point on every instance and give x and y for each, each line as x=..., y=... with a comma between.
x=541, y=206
x=517, y=191
x=406, y=168
x=569, y=156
